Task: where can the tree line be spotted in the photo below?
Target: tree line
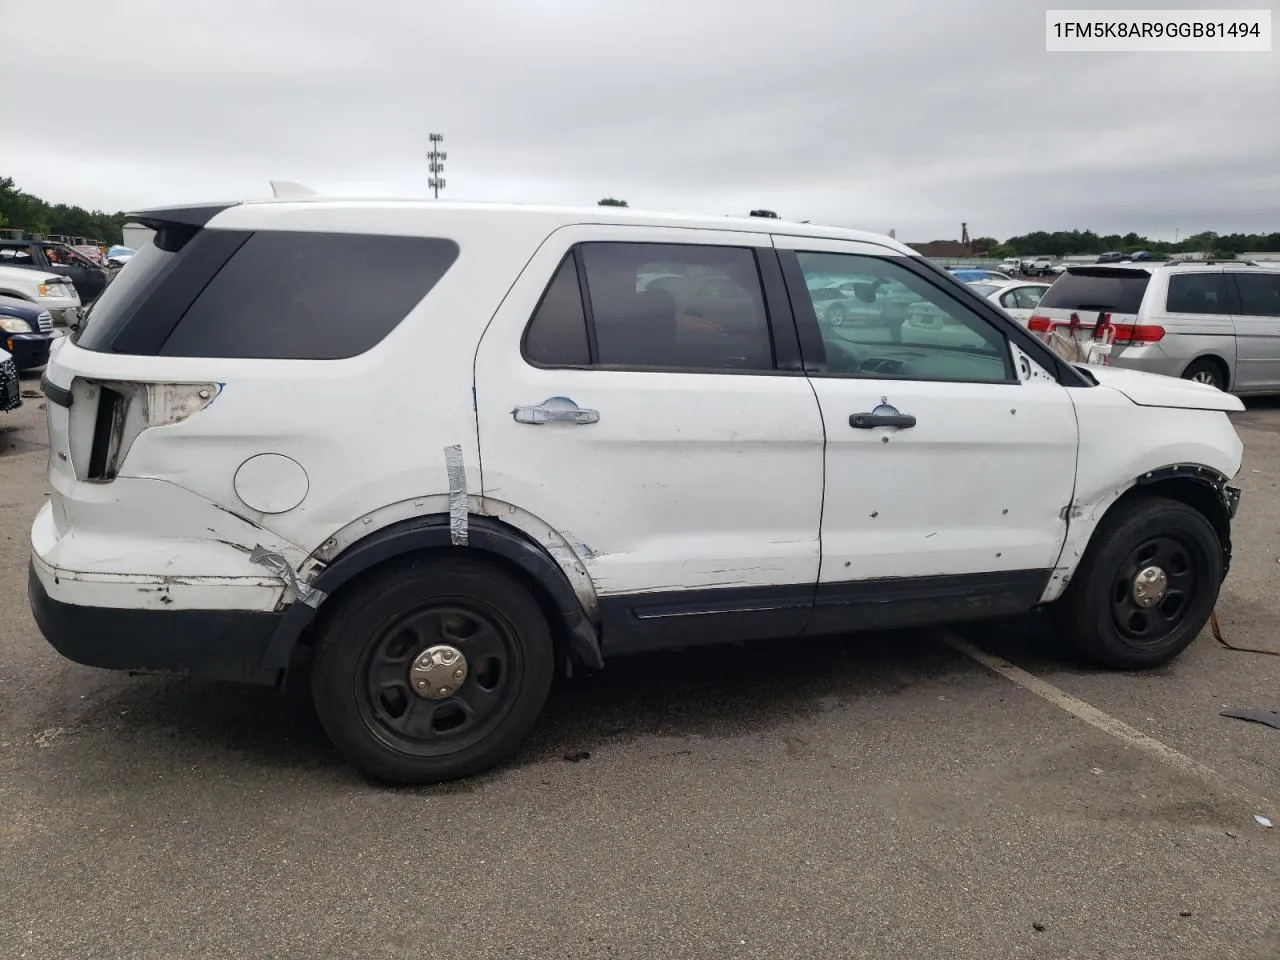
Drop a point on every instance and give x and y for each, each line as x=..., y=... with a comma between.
x=20, y=210
x=1065, y=243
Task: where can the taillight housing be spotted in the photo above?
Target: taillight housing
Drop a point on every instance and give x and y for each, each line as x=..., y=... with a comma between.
x=1139, y=333
x=1126, y=333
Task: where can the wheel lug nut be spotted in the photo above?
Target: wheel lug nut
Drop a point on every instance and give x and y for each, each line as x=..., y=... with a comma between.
x=457, y=674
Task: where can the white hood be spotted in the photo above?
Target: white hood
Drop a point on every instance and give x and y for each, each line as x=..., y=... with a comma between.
x=1153, y=390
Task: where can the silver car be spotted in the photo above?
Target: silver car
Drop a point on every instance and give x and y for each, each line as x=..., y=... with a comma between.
x=1215, y=322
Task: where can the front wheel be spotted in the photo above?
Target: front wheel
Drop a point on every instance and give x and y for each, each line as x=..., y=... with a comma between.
x=432, y=669
x=1146, y=587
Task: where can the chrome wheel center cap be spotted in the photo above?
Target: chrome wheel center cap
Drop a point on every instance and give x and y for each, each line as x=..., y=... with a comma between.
x=438, y=672
x=1149, y=586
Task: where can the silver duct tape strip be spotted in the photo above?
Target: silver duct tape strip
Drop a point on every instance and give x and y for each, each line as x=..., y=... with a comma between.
x=278, y=565
x=457, y=495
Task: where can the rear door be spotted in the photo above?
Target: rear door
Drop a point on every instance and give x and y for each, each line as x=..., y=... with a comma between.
x=947, y=466
x=640, y=392
x=1257, y=322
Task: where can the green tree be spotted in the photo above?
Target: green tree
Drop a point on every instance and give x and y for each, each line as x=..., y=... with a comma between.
x=23, y=211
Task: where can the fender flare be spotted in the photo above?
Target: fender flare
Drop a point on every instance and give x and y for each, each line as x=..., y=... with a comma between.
x=484, y=535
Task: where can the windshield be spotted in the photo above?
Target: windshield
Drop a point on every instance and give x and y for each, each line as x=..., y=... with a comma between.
x=1120, y=291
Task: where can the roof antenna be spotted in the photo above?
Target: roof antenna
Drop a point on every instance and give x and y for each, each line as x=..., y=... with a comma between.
x=288, y=190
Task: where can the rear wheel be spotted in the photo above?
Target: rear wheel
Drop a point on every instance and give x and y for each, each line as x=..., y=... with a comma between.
x=431, y=670
x=1207, y=371
x=1146, y=586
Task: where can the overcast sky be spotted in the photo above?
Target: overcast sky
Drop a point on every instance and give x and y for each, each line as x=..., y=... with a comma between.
x=881, y=115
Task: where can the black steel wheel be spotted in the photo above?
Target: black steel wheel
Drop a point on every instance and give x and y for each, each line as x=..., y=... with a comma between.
x=1146, y=586
x=432, y=669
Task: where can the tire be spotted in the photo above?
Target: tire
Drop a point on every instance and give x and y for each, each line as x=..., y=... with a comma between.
x=363, y=687
x=1207, y=371
x=1101, y=614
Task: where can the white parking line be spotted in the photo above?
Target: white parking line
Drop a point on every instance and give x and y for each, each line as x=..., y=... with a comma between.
x=1130, y=736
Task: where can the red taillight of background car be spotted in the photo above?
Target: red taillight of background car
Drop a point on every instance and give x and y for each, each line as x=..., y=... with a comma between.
x=1038, y=324
x=1138, y=333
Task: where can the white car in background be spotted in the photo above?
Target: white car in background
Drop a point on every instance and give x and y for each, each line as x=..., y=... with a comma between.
x=1018, y=298
x=54, y=293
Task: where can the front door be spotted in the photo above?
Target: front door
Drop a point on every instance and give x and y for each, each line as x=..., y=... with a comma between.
x=639, y=392
x=948, y=475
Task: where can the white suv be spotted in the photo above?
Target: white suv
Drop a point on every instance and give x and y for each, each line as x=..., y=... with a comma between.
x=433, y=453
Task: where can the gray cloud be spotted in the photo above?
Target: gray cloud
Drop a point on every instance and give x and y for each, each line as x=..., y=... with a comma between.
x=906, y=115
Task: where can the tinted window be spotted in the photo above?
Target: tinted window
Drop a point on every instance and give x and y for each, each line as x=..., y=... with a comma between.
x=666, y=305
x=1198, y=293
x=894, y=324
x=124, y=295
x=309, y=296
x=557, y=335
x=16, y=256
x=1119, y=291
x=1259, y=294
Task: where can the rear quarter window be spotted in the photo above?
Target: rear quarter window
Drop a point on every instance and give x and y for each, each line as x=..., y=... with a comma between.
x=1118, y=291
x=309, y=296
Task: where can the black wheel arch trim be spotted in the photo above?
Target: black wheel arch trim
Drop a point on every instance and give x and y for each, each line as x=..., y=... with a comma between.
x=484, y=535
x=1215, y=480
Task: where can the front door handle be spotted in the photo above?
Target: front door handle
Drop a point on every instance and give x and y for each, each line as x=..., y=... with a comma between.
x=555, y=410
x=865, y=421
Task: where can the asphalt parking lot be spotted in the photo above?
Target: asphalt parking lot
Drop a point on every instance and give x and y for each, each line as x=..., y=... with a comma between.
x=882, y=796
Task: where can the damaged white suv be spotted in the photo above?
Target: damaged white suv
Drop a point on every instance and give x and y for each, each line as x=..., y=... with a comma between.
x=428, y=454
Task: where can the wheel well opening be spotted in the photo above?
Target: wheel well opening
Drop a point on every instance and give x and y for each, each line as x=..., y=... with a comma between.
x=1217, y=361
x=1196, y=494
x=539, y=592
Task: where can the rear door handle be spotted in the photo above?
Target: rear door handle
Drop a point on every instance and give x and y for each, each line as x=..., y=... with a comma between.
x=865, y=421
x=555, y=410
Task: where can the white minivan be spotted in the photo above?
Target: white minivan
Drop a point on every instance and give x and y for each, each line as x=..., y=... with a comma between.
x=424, y=455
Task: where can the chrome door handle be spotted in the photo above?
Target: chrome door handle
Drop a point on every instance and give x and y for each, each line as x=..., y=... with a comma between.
x=555, y=410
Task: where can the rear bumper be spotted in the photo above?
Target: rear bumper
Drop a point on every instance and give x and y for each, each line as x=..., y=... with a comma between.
x=212, y=644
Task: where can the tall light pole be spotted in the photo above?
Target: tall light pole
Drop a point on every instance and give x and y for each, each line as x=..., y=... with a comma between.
x=435, y=163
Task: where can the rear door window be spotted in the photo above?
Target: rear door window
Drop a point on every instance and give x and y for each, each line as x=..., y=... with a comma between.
x=1116, y=291
x=1198, y=293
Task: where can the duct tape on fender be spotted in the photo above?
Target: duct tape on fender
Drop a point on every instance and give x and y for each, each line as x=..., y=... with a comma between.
x=457, y=495
x=278, y=565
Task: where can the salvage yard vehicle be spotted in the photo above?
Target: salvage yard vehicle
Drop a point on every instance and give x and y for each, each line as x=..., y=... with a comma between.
x=546, y=470
x=1216, y=323
x=45, y=256
x=1019, y=298
x=10, y=385
x=49, y=291
x=26, y=332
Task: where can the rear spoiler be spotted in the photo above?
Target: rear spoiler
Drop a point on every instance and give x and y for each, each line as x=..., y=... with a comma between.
x=193, y=216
